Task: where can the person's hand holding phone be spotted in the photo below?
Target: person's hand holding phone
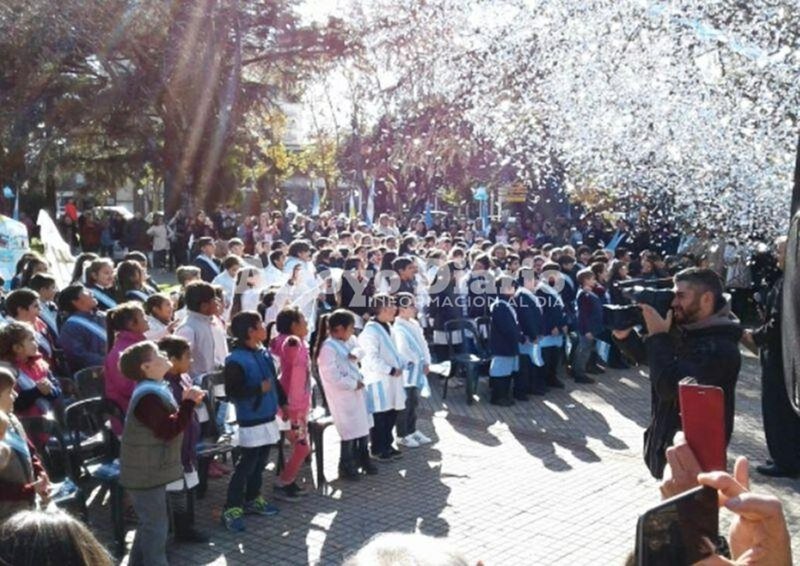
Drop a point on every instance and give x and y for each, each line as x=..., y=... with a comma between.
x=682, y=469
x=758, y=533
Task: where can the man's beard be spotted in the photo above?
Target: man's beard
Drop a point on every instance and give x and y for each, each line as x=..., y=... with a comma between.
x=687, y=315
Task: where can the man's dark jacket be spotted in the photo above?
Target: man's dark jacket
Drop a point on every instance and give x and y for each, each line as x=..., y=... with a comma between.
x=708, y=351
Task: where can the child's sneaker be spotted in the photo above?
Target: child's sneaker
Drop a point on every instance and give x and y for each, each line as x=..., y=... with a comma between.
x=259, y=506
x=233, y=519
x=421, y=438
x=408, y=441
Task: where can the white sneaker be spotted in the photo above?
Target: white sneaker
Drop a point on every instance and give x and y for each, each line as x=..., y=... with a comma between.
x=421, y=438
x=408, y=441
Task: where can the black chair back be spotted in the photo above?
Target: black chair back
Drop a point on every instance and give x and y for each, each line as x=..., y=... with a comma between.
x=319, y=390
x=88, y=430
x=90, y=382
x=46, y=435
x=484, y=326
x=459, y=333
x=214, y=383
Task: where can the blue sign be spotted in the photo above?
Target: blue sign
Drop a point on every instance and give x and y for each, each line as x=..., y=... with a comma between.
x=481, y=194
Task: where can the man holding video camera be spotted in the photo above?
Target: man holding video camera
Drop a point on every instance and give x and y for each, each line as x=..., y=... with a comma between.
x=697, y=338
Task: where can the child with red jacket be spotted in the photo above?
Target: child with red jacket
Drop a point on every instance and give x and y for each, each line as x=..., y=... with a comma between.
x=36, y=387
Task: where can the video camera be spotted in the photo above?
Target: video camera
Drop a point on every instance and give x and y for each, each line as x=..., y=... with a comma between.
x=656, y=293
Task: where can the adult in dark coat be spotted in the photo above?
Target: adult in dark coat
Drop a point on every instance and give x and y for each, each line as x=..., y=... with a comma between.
x=703, y=344
x=136, y=238
x=781, y=423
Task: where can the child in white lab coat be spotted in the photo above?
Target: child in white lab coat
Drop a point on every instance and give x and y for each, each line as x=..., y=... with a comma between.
x=411, y=344
x=344, y=391
x=382, y=367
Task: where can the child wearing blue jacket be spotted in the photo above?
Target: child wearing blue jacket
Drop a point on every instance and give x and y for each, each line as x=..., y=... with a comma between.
x=251, y=384
x=555, y=321
x=531, y=323
x=590, y=324
x=504, y=341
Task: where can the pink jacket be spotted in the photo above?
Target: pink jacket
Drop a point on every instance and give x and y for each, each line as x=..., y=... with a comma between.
x=294, y=378
x=118, y=387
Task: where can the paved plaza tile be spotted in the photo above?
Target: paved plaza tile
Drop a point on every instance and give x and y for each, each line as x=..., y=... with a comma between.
x=557, y=480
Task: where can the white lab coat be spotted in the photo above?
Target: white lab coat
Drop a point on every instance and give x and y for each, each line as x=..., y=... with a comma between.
x=410, y=342
x=340, y=377
x=384, y=392
x=309, y=287
x=157, y=329
x=274, y=277
x=228, y=284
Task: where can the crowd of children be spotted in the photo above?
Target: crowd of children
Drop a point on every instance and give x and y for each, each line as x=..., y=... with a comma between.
x=366, y=310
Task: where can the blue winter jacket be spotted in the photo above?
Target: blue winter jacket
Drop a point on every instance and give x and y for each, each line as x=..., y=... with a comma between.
x=505, y=335
x=245, y=370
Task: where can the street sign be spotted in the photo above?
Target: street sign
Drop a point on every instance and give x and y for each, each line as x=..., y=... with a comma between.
x=517, y=193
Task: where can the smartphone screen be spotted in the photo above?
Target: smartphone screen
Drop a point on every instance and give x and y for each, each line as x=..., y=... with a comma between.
x=679, y=531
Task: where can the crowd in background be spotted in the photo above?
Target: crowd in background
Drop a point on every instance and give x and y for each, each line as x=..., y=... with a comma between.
x=270, y=299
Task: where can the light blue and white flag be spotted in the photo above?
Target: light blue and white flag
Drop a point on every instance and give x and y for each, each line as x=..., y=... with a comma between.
x=370, y=212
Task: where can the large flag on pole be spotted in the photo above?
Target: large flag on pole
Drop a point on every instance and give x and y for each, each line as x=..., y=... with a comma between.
x=56, y=250
x=428, y=215
x=370, y=212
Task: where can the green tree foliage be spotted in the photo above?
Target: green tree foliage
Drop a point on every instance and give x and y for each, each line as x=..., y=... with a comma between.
x=108, y=86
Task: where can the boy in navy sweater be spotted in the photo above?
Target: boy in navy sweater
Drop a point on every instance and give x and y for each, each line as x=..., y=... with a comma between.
x=590, y=324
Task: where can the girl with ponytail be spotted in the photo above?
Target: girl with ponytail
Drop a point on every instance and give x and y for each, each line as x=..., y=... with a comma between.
x=131, y=282
x=126, y=325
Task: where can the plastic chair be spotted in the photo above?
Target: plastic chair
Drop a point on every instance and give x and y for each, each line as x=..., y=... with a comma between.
x=318, y=423
x=459, y=334
x=90, y=382
x=95, y=449
x=48, y=438
x=209, y=447
x=484, y=326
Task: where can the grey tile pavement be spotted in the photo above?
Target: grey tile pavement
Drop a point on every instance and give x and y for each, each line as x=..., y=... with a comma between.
x=557, y=480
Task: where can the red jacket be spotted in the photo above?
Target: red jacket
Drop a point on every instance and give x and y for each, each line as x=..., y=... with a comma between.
x=37, y=369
